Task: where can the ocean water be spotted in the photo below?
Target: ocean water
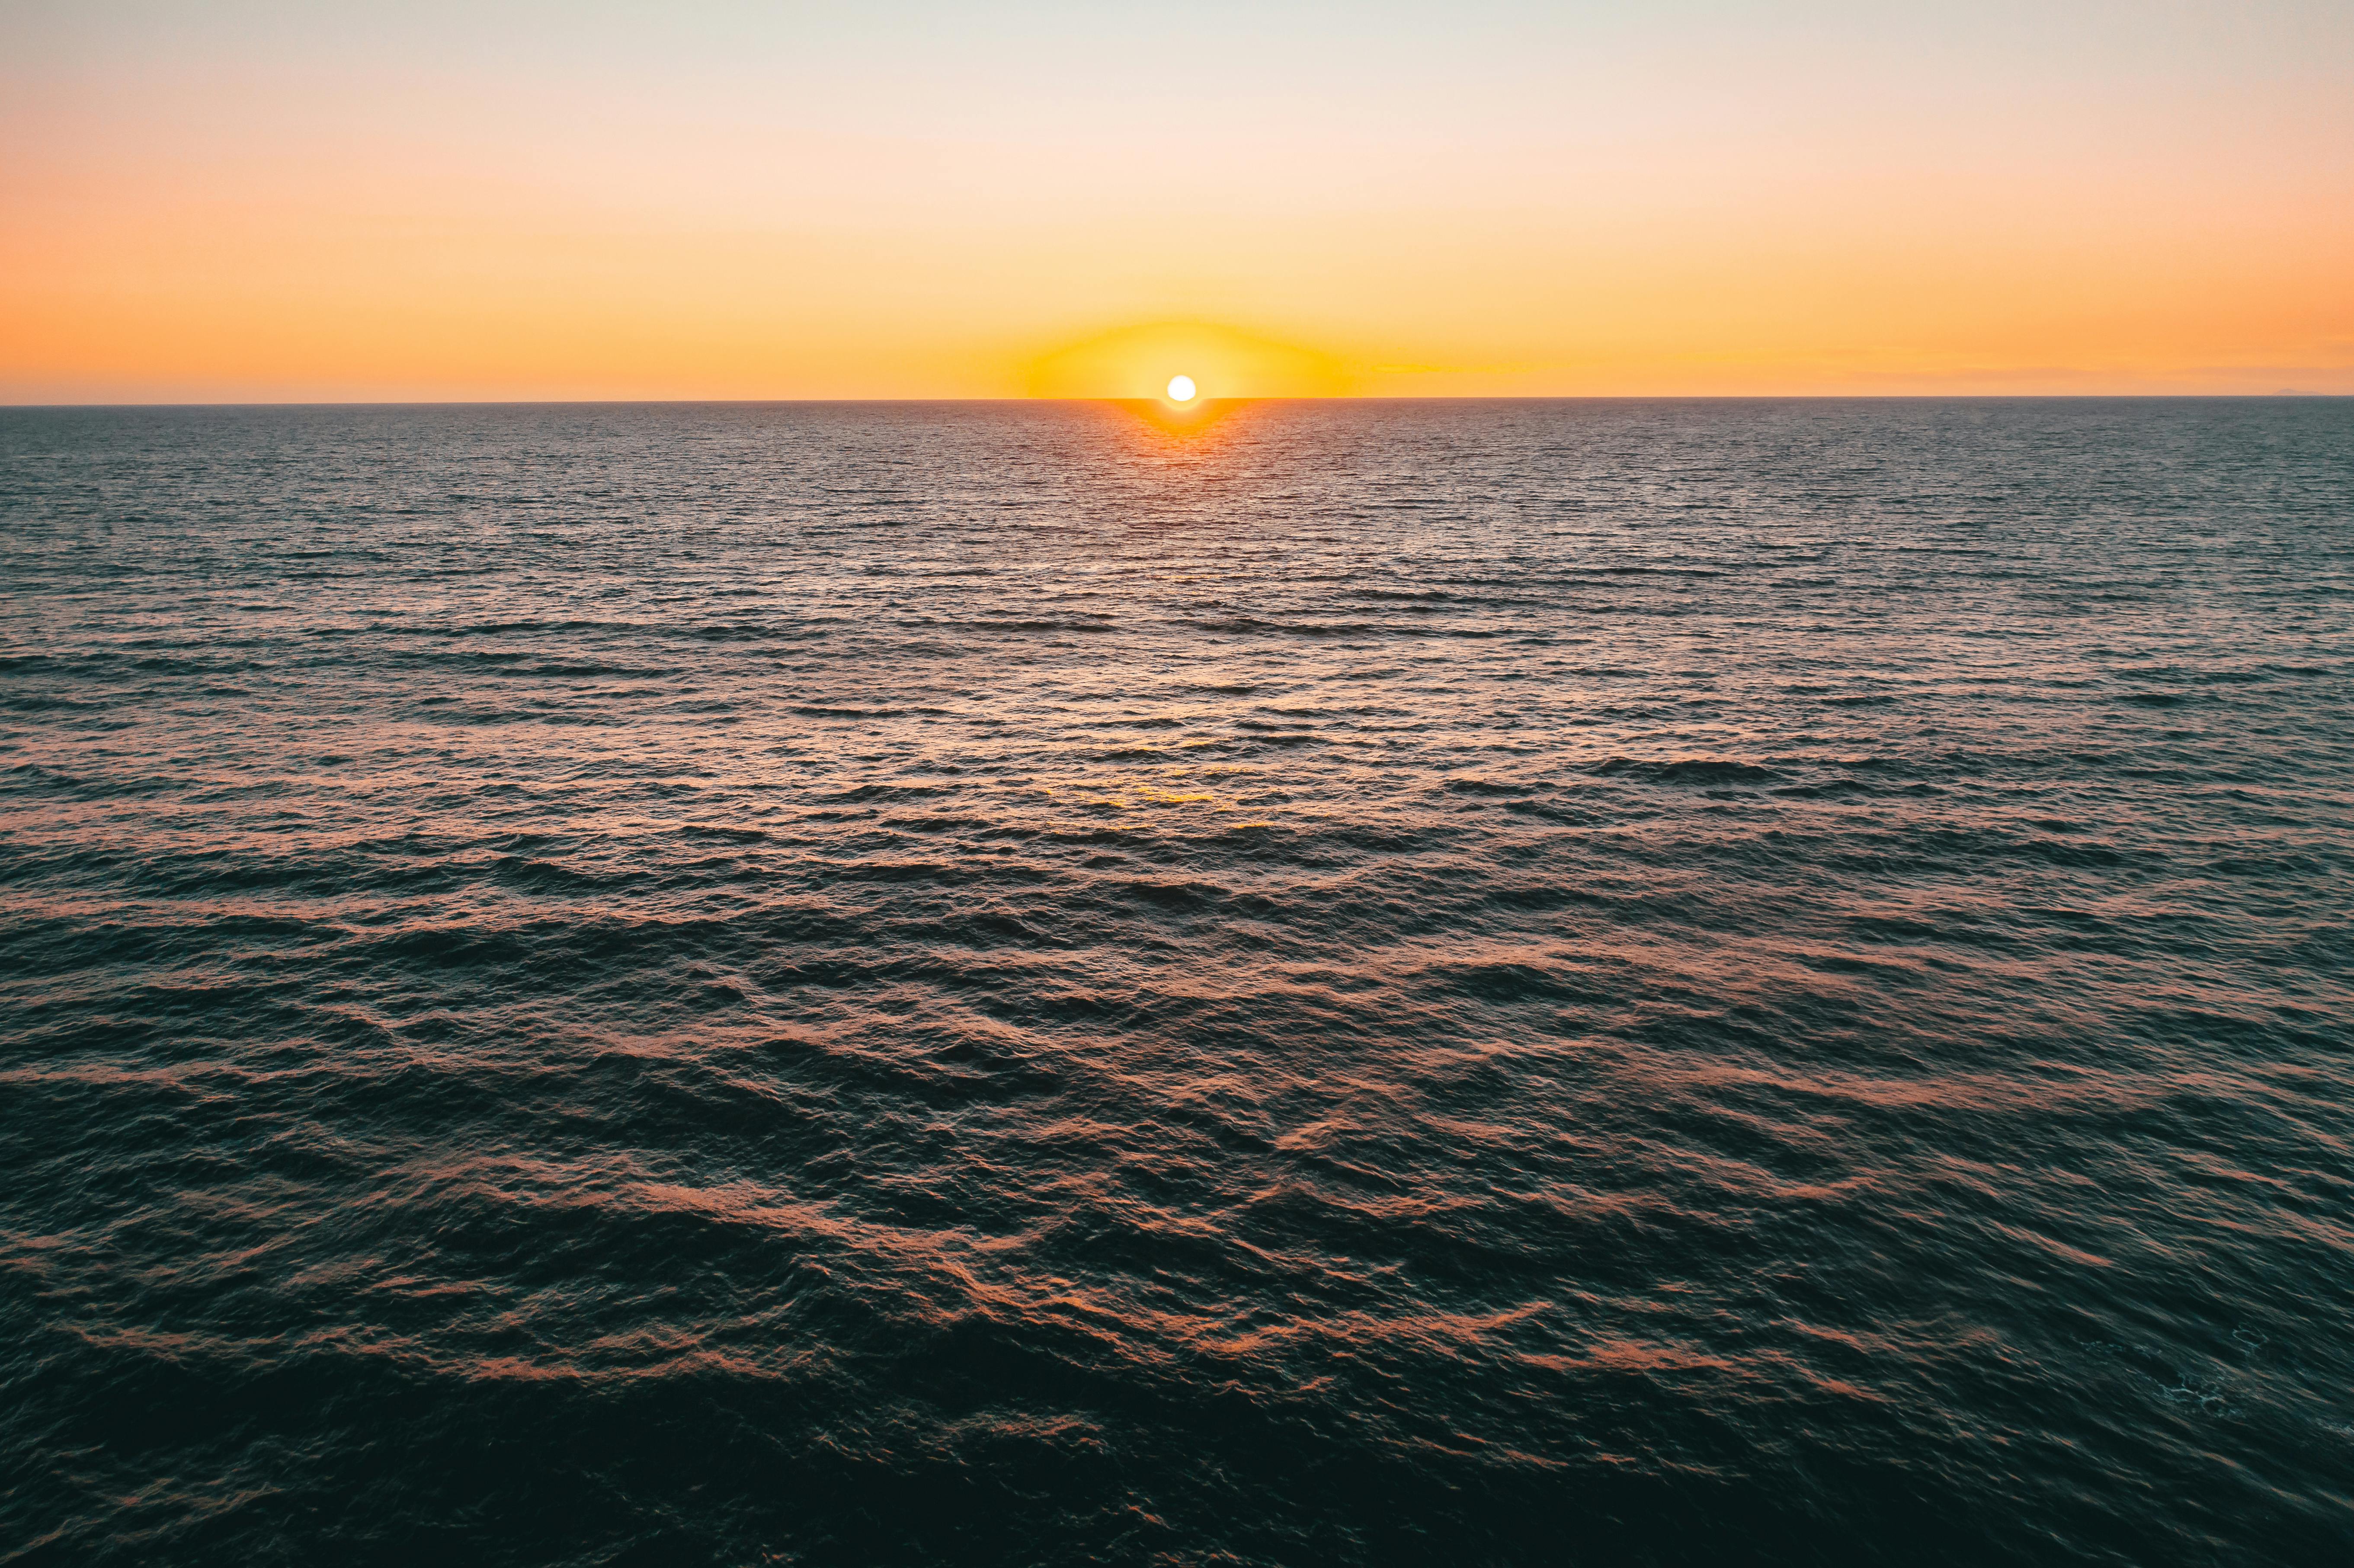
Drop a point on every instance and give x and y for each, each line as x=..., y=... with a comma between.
x=1467, y=983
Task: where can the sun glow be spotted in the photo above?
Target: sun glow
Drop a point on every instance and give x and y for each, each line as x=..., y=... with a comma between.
x=1140, y=361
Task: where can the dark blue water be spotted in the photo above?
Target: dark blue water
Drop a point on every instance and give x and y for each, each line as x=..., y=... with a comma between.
x=1350, y=984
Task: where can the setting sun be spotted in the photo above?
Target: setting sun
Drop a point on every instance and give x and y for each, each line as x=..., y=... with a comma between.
x=1135, y=361
x=1181, y=389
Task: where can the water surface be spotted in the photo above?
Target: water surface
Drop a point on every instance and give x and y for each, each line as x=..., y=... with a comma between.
x=1368, y=983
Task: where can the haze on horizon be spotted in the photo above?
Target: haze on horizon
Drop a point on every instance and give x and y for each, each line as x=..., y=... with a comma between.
x=253, y=201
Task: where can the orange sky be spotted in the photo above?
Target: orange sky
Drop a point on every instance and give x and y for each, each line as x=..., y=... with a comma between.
x=259, y=201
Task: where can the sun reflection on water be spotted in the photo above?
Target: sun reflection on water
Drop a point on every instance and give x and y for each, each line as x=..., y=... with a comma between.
x=1188, y=423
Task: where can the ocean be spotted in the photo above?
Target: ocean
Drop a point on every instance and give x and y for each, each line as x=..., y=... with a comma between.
x=1350, y=983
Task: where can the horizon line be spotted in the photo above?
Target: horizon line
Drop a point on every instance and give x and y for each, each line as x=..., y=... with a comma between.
x=1441, y=397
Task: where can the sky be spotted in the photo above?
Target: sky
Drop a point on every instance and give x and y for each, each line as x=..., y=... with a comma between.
x=256, y=201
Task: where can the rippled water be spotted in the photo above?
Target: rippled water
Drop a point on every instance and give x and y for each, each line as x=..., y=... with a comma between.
x=1359, y=984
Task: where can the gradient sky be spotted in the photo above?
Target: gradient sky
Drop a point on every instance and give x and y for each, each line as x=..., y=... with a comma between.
x=254, y=201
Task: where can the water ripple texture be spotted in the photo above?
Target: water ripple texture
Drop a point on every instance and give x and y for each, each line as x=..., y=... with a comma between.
x=1353, y=984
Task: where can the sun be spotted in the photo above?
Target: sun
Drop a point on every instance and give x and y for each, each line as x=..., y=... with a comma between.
x=1181, y=389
